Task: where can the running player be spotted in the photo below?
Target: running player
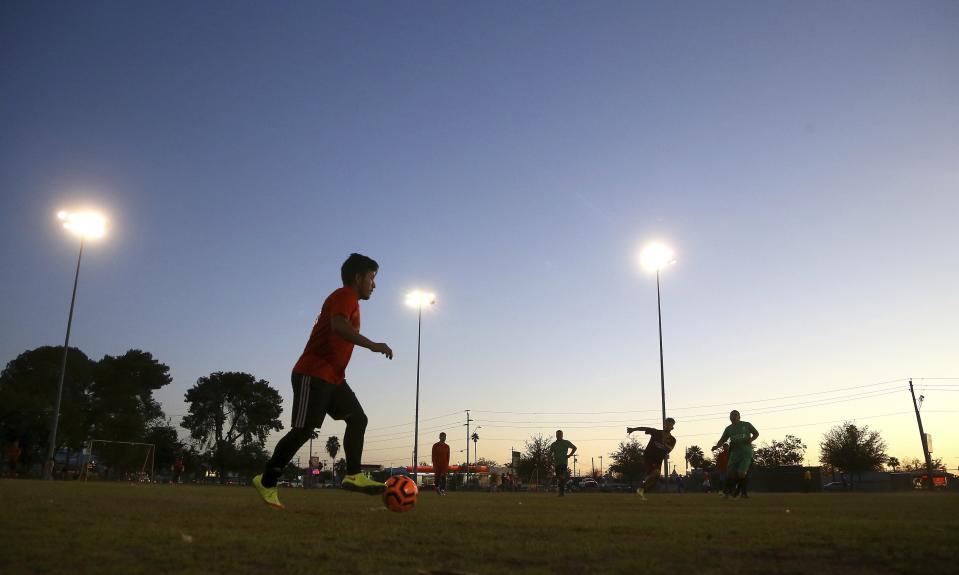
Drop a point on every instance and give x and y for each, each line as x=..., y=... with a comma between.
x=319, y=384
x=661, y=442
x=561, y=454
x=741, y=435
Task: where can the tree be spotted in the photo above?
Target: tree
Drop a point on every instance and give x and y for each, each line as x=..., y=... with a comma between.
x=536, y=463
x=122, y=406
x=697, y=458
x=231, y=415
x=916, y=464
x=487, y=462
x=167, y=443
x=339, y=468
x=789, y=451
x=333, y=446
x=893, y=463
x=628, y=460
x=28, y=393
x=852, y=449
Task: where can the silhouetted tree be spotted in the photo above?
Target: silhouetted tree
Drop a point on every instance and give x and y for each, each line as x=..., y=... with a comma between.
x=231, y=415
x=852, y=449
x=28, y=393
x=789, y=451
x=122, y=406
x=628, y=460
x=536, y=463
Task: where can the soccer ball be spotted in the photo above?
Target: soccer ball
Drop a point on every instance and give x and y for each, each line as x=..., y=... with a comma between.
x=400, y=494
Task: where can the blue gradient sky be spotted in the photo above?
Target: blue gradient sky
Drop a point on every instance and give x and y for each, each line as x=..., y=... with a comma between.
x=802, y=158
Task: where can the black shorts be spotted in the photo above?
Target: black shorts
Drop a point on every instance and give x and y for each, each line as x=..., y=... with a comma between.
x=654, y=461
x=562, y=470
x=314, y=398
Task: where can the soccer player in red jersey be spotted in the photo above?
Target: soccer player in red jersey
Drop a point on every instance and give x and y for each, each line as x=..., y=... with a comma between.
x=319, y=382
x=441, y=463
x=661, y=442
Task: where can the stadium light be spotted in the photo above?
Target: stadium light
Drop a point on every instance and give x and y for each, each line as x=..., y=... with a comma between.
x=654, y=258
x=418, y=299
x=85, y=225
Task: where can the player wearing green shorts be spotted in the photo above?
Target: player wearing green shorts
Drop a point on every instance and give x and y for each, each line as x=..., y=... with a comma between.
x=561, y=454
x=741, y=435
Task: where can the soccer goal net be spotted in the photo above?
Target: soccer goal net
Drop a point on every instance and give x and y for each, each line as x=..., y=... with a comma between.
x=119, y=461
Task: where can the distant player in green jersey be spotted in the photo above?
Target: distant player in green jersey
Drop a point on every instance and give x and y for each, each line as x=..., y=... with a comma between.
x=741, y=435
x=561, y=454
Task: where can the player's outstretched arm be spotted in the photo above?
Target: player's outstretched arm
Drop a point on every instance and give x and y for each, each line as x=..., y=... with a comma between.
x=646, y=429
x=721, y=441
x=343, y=328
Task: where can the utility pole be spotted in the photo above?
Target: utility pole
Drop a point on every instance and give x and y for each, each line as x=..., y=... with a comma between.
x=468, y=420
x=922, y=436
x=592, y=466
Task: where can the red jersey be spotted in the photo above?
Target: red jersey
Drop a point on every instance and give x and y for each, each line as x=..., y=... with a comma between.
x=722, y=459
x=326, y=354
x=441, y=457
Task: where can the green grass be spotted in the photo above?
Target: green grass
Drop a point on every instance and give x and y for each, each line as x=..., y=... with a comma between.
x=68, y=527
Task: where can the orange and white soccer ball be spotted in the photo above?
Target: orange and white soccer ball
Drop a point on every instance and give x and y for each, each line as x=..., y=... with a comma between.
x=400, y=494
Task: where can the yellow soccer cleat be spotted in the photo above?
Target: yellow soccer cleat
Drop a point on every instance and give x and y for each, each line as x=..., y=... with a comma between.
x=363, y=484
x=269, y=494
x=642, y=493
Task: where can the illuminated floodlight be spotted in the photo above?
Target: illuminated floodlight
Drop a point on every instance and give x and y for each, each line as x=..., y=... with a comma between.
x=87, y=225
x=656, y=256
x=419, y=299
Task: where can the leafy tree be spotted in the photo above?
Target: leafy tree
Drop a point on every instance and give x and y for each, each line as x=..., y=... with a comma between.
x=230, y=415
x=893, y=463
x=697, y=458
x=852, y=449
x=789, y=451
x=916, y=464
x=121, y=397
x=628, y=460
x=486, y=462
x=333, y=446
x=339, y=468
x=167, y=443
x=536, y=463
x=28, y=393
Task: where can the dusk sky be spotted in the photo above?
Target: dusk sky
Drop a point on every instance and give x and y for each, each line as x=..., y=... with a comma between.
x=802, y=158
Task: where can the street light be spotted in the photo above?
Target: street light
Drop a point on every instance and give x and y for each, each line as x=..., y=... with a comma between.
x=418, y=299
x=85, y=225
x=655, y=257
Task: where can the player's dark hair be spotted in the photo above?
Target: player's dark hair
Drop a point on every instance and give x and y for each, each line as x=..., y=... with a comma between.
x=670, y=420
x=357, y=264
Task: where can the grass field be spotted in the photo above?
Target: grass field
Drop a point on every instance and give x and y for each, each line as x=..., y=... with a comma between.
x=66, y=527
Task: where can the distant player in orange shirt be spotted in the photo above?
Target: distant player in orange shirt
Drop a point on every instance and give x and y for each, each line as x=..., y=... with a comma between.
x=441, y=463
x=13, y=457
x=319, y=382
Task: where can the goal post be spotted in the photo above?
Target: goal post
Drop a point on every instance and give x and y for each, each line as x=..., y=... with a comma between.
x=108, y=460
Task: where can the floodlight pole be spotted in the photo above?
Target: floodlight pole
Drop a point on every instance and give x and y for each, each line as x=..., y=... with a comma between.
x=662, y=382
x=416, y=425
x=48, y=468
x=922, y=435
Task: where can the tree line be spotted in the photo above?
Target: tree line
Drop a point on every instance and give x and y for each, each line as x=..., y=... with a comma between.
x=229, y=418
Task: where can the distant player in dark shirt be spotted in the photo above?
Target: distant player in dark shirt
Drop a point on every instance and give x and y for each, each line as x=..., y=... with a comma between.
x=661, y=442
x=561, y=454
